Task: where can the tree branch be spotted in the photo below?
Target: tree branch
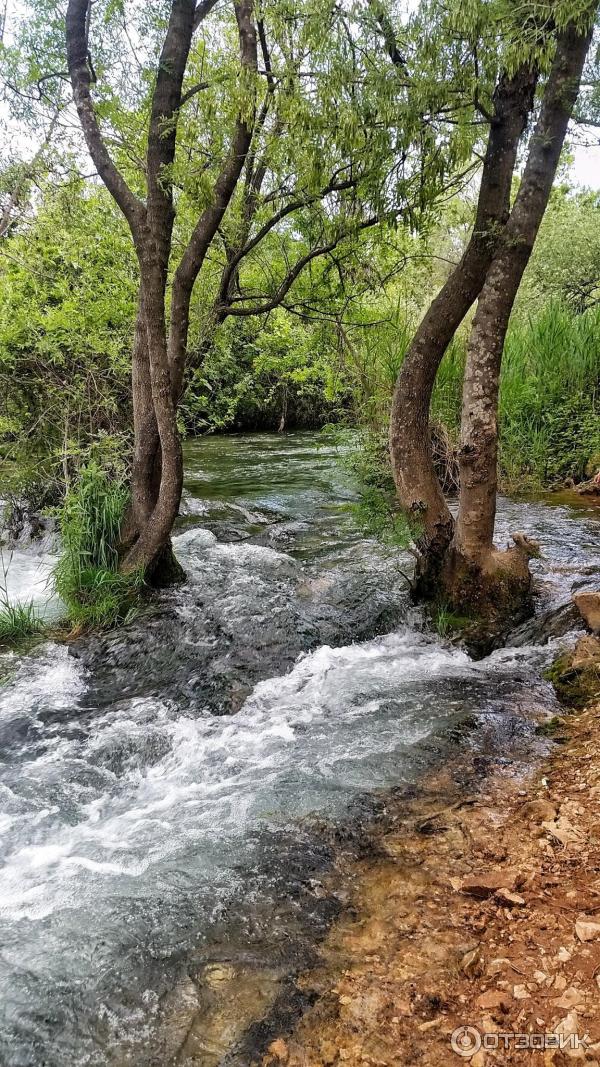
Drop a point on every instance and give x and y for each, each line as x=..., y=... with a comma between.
x=211, y=218
x=286, y=284
x=76, y=26
x=162, y=133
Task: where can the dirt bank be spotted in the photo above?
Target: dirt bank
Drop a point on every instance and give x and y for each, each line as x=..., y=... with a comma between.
x=480, y=911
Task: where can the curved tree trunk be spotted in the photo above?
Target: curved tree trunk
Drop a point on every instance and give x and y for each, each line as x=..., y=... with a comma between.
x=158, y=360
x=473, y=562
x=410, y=443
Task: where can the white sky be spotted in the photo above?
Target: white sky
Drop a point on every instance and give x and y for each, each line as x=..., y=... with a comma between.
x=586, y=166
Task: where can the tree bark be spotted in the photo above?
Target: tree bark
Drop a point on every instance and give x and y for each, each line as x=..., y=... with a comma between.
x=410, y=441
x=472, y=551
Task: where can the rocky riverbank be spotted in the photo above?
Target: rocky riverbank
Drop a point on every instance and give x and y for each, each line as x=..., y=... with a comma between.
x=474, y=934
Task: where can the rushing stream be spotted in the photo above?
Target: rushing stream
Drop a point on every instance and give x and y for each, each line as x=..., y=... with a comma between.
x=148, y=834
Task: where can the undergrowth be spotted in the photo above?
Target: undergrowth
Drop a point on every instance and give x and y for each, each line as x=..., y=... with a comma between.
x=87, y=577
x=19, y=621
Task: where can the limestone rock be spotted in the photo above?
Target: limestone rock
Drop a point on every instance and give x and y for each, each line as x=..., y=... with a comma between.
x=587, y=929
x=495, y=1000
x=587, y=653
x=486, y=883
x=588, y=605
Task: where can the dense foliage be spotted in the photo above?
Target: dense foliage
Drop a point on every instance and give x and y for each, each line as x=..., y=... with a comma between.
x=66, y=324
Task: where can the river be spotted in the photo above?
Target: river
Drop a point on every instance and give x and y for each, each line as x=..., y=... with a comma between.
x=164, y=788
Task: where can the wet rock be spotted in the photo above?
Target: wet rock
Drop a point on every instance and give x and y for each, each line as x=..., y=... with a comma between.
x=557, y=621
x=588, y=606
x=575, y=675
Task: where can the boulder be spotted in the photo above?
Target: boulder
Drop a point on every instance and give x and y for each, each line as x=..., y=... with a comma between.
x=586, y=654
x=588, y=605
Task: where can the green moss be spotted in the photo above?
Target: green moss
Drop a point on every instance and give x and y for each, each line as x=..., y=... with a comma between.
x=553, y=728
x=574, y=686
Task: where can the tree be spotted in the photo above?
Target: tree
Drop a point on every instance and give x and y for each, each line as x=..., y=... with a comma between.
x=475, y=572
x=412, y=461
x=330, y=147
x=159, y=347
x=457, y=560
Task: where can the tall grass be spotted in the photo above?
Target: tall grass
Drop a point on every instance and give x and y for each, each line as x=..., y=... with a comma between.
x=19, y=620
x=549, y=395
x=87, y=577
x=550, y=398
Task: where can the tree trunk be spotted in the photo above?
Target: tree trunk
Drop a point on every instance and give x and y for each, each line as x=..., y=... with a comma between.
x=410, y=442
x=477, y=574
x=158, y=364
x=156, y=526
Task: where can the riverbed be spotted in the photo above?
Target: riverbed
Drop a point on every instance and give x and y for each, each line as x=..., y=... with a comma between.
x=172, y=793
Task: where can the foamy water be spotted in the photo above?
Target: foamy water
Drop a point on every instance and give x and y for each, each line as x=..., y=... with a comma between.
x=134, y=822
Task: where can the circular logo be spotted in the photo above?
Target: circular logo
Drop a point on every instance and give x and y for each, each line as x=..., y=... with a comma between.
x=465, y=1041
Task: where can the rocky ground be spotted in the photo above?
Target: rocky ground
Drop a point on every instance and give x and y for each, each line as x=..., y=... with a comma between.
x=474, y=935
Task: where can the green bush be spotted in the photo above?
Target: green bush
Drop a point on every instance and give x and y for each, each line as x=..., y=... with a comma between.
x=87, y=577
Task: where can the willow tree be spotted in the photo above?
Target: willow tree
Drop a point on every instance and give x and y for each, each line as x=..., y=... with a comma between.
x=457, y=559
x=212, y=144
x=160, y=344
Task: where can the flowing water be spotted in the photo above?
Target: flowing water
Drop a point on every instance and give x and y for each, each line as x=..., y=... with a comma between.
x=164, y=788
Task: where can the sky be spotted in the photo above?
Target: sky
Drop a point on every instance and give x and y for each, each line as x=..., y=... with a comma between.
x=586, y=166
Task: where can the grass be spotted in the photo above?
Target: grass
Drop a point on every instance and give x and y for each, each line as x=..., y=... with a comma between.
x=549, y=397
x=549, y=407
x=445, y=621
x=19, y=621
x=87, y=577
